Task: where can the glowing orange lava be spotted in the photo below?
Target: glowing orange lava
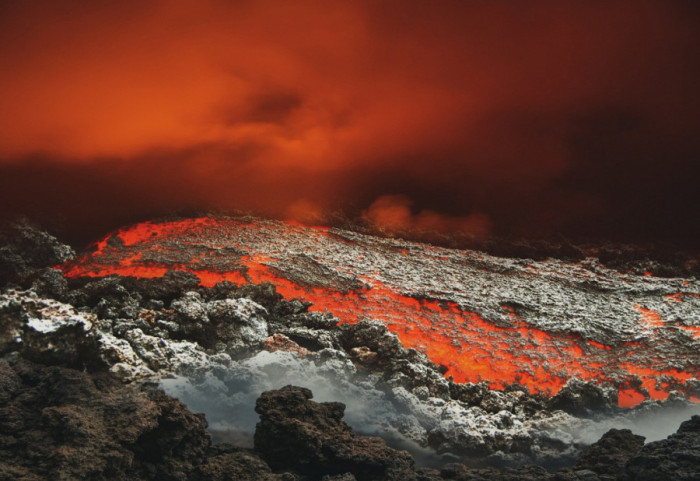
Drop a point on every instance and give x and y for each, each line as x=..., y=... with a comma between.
x=471, y=348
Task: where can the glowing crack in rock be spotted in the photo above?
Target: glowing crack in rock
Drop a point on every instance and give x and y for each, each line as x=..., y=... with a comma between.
x=483, y=318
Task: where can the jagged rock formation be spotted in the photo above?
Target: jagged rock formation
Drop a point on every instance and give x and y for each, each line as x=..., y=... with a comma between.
x=59, y=423
x=295, y=432
x=677, y=457
x=24, y=248
x=609, y=455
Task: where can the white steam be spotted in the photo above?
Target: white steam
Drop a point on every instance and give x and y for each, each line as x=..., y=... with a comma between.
x=652, y=420
x=228, y=397
x=404, y=418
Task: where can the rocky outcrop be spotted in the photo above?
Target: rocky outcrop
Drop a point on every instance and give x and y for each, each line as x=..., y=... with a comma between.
x=610, y=454
x=583, y=399
x=25, y=249
x=311, y=438
x=675, y=458
x=60, y=423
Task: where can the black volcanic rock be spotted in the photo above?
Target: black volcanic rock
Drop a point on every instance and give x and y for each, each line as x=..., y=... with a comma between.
x=609, y=455
x=25, y=249
x=58, y=423
x=675, y=458
x=581, y=398
x=46, y=331
x=227, y=463
x=172, y=285
x=297, y=433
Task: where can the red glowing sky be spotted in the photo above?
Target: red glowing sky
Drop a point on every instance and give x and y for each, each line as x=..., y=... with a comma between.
x=511, y=118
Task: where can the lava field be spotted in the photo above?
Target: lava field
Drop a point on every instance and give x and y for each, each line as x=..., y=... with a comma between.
x=449, y=364
x=480, y=317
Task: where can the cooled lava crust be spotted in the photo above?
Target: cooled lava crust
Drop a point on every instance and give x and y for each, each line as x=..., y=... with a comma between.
x=483, y=318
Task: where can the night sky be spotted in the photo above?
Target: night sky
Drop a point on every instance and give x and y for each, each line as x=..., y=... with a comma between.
x=506, y=118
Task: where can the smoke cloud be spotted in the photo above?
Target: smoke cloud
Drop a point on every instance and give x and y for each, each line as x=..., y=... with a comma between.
x=510, y=119
x=392, y=213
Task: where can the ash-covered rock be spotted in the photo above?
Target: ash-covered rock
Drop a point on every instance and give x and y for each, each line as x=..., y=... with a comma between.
x=45, y=330
x=395, y=392
x=209, y=351
x=227, y=325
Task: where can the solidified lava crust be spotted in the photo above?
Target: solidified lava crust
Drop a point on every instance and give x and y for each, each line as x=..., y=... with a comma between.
x=484, y=318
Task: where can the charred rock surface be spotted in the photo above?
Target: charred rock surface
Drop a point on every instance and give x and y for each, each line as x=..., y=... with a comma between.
x=59, y=423
x=24, y=249
x=677, y=457
x=609, y=455
x=311, y=438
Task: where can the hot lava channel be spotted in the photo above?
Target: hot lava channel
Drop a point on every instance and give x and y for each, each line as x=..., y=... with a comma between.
x=483, y=318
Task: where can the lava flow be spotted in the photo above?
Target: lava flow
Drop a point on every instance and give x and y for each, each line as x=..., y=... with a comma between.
x=483, y=318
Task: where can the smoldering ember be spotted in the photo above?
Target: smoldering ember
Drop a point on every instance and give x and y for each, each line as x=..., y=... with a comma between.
x=218, y=348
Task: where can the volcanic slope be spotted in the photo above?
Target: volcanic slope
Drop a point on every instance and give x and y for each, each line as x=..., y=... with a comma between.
x=484, y=318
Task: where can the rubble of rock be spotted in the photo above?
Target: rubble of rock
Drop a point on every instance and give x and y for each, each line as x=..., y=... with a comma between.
x=61, y=423
x=541, y=323
x=218, y=348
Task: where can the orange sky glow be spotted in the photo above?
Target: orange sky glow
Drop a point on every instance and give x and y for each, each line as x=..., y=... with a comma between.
x=518, y=118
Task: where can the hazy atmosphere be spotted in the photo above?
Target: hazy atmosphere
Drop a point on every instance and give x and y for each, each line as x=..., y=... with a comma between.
x=492, y=118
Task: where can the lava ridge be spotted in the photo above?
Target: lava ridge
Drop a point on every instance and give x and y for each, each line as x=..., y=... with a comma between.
x=484, y=318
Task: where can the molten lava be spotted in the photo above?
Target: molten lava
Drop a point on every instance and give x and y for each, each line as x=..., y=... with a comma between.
x=482, y=318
